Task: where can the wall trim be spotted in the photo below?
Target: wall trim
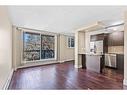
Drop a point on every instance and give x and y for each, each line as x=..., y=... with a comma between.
x=78, y=66
x=66, y=60
x=41, y=64
x=34, y=64
x=7, y=83
x=125, y=82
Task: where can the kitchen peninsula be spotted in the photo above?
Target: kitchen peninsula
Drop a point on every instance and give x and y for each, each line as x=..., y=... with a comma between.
x=93, y=62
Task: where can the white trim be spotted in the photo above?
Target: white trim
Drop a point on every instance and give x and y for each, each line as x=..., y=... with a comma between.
x=66, y=60
x=76, y=49
x=56, y=47
x=42, y=60
x=78, y=66
x=125, y=82
x=46, y=63
x=61, y=61
x=21, y=44
x=40, y=47
x=5, y=87
x=38, y=64
x=38, y=31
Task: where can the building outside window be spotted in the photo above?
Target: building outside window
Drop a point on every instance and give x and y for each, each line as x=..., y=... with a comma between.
x=47, y=46
x=38, y=46
x=31, y=50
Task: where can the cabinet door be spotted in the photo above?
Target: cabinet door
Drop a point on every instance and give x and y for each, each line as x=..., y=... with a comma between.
x=110, y=40
x=120, y=62
x=97, y=37
x=120, y=38
x=116, y=39
x=105, y=46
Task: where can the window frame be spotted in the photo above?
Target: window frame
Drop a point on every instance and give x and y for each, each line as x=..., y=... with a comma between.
x=41, y=33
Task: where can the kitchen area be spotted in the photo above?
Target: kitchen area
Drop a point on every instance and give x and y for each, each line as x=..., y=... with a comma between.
x=111, y=48
x=101, y=50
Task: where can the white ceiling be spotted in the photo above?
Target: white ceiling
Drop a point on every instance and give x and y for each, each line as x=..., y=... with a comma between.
x=63, y=19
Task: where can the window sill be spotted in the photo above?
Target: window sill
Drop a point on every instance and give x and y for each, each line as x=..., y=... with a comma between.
x=42, y=60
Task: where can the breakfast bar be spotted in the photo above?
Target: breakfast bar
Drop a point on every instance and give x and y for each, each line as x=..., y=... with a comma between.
x=93, y=62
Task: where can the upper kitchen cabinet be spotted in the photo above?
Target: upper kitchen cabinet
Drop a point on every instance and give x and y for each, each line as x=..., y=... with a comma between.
x=116, y=39
x=97, y=37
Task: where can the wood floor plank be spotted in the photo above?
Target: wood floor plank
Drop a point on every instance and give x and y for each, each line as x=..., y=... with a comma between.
x=65, y=76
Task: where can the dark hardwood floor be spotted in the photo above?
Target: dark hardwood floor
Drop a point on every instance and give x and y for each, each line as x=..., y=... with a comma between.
x=65, y=76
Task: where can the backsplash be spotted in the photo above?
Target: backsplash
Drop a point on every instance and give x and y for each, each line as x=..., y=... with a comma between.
x=116, y=49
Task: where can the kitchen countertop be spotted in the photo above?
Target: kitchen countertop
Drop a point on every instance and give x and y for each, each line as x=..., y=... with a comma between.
x=91, y=54
x=114, y=53
x=98, y=54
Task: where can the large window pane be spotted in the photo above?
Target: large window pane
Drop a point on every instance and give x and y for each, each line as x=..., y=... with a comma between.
x=31, y=46
x=47, y=46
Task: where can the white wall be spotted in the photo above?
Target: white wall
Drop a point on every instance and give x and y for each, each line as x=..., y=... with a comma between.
x=81, y=42
x=5, y=46
x=66, y=53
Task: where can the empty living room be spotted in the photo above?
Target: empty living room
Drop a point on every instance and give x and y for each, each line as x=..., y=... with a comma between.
x=51, y=47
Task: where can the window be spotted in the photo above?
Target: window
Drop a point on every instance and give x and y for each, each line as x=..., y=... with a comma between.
x=38, y=46
x=71, y=42
x=47, y=46
x=31, y=46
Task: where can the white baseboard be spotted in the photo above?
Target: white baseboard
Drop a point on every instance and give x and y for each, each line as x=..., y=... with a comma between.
x=78, y=66
x=40, y=64
x=125, y=82
x=8, y=80
x=66, y=60
x=37, y=64
x=61, y=61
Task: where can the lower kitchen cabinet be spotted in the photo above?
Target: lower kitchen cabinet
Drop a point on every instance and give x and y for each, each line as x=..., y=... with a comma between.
x=110, y=60
x=84, y=61
x=120, y=62
x=115, y=61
